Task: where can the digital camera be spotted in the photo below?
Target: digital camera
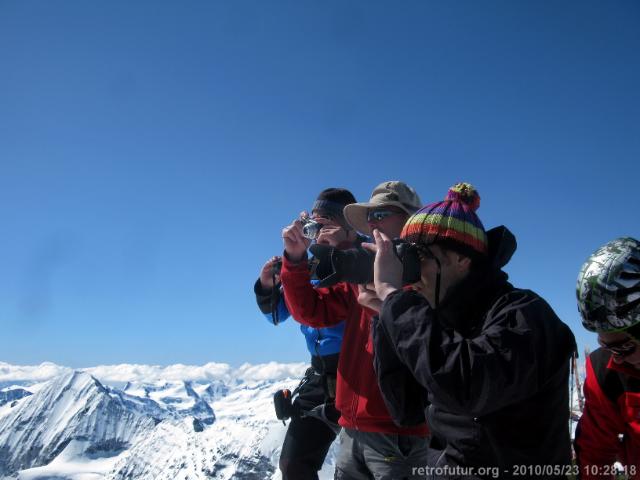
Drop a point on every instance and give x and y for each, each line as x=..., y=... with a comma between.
x=310, y=228
x=355, y=265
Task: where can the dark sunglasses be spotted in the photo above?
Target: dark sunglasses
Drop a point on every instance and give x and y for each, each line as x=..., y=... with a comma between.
x=620, y=349
x=379, y=215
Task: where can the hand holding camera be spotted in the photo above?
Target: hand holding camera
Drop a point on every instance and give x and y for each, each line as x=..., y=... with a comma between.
x=387, y=267
x=295, y=242
x=270, y=273
x=356, y=265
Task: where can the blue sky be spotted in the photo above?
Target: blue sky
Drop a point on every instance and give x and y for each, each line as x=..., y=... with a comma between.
x=151, y=152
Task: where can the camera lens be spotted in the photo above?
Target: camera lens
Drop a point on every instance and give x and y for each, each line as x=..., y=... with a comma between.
x=311, y=229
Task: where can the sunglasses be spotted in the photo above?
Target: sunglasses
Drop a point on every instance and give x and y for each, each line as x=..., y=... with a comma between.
x=620, y=349
x=379, y=215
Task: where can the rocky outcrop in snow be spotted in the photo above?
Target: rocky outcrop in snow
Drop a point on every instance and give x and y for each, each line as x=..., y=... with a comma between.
x=12, y=394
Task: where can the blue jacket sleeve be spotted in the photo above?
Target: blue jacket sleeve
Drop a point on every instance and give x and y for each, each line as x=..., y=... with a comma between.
x=265, y=298
x=280, y=314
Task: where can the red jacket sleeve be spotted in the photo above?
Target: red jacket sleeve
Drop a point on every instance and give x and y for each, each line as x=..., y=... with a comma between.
x=597, y=442
x=315, y=307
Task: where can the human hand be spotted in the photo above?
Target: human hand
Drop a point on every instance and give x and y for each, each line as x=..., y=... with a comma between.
x=332, y=233
x=368, y=297
x=295, y=244
x=267, y=273
x=387, y=268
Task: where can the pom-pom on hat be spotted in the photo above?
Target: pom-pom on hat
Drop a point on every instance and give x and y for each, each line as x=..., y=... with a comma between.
x=453, y=222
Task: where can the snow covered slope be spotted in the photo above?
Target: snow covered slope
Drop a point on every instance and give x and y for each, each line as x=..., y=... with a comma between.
x=72, y=406
x=145, y=422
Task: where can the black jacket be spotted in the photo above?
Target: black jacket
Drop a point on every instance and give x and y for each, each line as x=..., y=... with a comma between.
x=493, y=362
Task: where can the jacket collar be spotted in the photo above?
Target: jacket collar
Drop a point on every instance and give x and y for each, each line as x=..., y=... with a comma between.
x=623, y=368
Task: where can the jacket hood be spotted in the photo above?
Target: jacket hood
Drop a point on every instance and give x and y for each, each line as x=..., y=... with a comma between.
x=502, y=246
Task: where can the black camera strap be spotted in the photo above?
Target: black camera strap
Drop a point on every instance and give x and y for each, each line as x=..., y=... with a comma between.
x=425, y=250
x=328, y=380
x=438, y=276
x=303, y=382
x=275, y=296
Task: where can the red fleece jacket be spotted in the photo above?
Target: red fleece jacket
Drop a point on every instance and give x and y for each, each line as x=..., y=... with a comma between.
x=612, y=409
x=358, y=396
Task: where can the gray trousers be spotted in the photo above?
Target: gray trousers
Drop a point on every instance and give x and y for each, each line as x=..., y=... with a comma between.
x=379, y=456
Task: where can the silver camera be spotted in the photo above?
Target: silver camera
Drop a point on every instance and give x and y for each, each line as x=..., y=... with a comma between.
x=310, y=228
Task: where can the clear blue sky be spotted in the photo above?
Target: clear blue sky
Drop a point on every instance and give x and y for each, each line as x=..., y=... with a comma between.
x=151, y=152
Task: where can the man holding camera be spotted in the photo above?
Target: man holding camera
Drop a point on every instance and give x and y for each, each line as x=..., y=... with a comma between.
x=493, y=359
x=313, y=425
x=371, y=444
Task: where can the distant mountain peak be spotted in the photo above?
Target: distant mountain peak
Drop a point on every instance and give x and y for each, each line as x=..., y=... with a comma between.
x=159, y=429
x=72, y=405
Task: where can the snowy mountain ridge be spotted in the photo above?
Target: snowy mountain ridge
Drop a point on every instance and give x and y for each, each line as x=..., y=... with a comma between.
x=140, y=421
x=73, y=406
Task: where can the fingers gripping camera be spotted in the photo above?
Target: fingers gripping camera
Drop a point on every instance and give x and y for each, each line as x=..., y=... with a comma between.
x=355, y=265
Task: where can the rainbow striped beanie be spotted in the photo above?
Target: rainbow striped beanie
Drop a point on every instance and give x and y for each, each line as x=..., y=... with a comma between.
x=453, y=221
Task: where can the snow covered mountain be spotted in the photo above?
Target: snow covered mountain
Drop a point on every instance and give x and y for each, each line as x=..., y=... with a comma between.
x=12, y=394
x=74, y=406
x=143, y=422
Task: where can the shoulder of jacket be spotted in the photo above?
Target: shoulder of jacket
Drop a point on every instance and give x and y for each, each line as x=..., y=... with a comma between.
x=610, y=381
x=518, y=299
x=535, y=309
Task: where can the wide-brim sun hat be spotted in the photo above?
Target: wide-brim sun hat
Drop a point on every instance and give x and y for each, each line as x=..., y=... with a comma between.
x=388, y=194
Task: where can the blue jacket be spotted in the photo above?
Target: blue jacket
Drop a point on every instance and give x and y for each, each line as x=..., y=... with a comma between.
x=320, y=341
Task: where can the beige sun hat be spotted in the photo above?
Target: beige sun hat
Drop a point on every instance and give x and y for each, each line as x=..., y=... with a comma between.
x=393, y=193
